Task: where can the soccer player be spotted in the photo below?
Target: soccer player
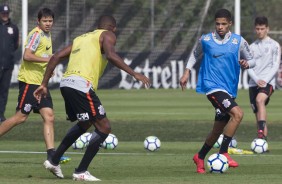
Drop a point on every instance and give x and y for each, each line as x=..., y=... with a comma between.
x=37, y=53
x=267, y=55
x=218, y=78
x=88, y=57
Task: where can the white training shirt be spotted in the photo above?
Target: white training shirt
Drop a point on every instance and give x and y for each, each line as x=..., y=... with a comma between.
x=267, y=56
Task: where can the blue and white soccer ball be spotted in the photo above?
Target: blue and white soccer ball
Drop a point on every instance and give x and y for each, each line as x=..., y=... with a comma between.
x=233, y=143
x=152, y=143
x=217, y=163
x=110, y=142
x=218, y=143
x=259, y=145
x=82, y=141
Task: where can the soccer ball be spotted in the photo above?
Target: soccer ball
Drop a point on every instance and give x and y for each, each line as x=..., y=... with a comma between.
x=259, y=145
x=232, y=144
x=217, y=163
x=152, y=143
x=217, y=144
x=82, y=141
x=110, y=142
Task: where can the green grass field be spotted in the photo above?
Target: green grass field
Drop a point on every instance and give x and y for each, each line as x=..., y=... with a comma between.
x=180, y=119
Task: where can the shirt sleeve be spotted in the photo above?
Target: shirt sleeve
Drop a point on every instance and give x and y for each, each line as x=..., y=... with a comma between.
x=245, y=53
x=276, y=54
x=195, y=55
x=33, y=41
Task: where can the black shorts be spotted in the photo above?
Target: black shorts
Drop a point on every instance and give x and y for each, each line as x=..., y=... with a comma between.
x=254, y=91
x=222, y=103
x=82, y=106
x=27, y=102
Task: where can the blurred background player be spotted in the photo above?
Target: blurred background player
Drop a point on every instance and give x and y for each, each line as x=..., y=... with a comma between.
x=9, y=42
x=38, y=51
x=267, y=55
x=88, y=57
x=218, y=78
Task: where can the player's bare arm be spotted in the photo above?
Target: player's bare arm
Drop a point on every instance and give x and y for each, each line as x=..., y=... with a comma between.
x=108, y=41
x=54, y=61
x=31, y=57
x=184, y=79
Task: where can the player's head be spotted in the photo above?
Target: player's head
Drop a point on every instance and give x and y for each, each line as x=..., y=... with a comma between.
x=223, y=21
x=107, y=22
x=45, y=19
x=261, y=27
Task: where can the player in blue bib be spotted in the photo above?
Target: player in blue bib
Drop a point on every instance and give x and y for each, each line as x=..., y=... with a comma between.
x=218, y=78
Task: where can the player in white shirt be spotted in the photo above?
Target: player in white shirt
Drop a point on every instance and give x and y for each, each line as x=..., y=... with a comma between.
x=267, y=55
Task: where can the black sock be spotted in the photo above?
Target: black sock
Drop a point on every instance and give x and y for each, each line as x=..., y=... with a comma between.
x=92, y=149
x=225, y=143
x=67, y=141
x=50, y=153
x=204, y=151
x=261, y=125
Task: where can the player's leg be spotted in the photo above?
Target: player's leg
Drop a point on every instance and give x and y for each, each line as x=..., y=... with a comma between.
x=24, y=107
x=221, y=119
x=47, y=115
x=11, y=122
x=261, y=114
x=101, y=132
x=102, y=129
x=262, y=99
x=232, y=115
x=236, y=115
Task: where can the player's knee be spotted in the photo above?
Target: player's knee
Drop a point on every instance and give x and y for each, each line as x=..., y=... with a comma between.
x=239, y=115
x=260, y=102
x=104, y=126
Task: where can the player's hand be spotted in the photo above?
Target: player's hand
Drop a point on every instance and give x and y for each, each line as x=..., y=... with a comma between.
x=261, y=83
x=39, y=92
x=184, y=79
x=244, y=64
x=143, y=79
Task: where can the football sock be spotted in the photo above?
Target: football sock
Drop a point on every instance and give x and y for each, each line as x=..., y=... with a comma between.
x=261, y=125
x=225, y=143
x=50, y=153
x=204, y=151
x=92, y=149
x=67, y=141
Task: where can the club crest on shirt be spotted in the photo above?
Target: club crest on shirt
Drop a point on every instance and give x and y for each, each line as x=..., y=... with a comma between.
x=235, y=41
x=226, y=103
x=206, y=38
x=10, y=30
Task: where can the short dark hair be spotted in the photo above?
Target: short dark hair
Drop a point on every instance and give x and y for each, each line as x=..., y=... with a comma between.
x=45, y=12
x=261, y=21
x=106, y=20
x=223, y=13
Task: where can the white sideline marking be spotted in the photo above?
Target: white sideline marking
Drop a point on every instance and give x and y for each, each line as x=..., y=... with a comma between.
x=71, y=153
x=149, y=153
